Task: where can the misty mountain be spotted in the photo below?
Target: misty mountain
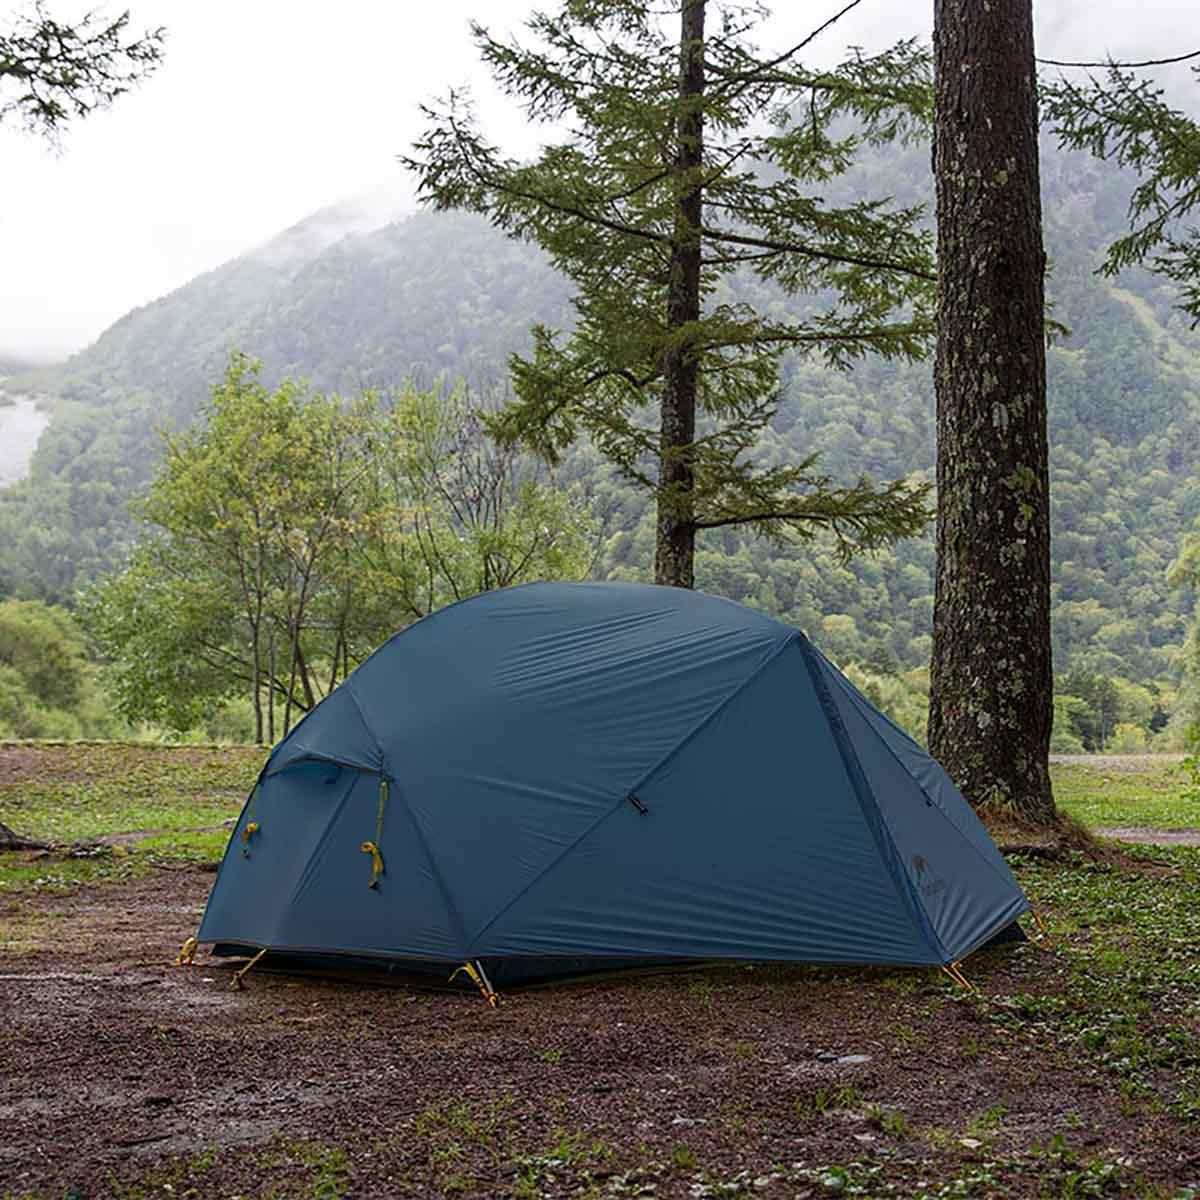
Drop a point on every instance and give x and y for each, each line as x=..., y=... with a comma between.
x=425, y=297
x=445, y=297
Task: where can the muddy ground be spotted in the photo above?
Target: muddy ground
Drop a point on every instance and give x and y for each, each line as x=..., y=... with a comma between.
x=121, y=1075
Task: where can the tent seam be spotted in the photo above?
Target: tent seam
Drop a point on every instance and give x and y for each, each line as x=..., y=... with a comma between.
x=448, y=900
x=291, y=733
x=713, y=713
x=303, y=878
x=937, y=807
x=640, y=782
x=842, y=678
x=315, y=756
x=386, y=773
x=362, y=716
x=879, y=827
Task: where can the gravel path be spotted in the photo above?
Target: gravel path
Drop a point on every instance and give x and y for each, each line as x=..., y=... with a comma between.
x=1131, y=763
x=1148, y=836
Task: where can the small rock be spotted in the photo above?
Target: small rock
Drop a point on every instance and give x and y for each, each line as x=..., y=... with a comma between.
x=865, y=1137
x=970, y=1143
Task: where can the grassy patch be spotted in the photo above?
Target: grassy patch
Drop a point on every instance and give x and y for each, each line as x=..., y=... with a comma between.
x=1125, y=945
x=1145, y=791
x=160, y=805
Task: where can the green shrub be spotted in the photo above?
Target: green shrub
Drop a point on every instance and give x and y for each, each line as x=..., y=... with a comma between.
x=46, y=649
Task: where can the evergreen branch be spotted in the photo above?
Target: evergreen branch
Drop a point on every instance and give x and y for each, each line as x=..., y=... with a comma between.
x=761, y=73
x=1149, y=62
x=504, y=187
x=799, y=337
x=638, y=383
x=862, y=517
x=779, y=246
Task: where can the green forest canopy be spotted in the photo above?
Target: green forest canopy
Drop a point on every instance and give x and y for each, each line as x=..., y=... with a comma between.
x=444, y=297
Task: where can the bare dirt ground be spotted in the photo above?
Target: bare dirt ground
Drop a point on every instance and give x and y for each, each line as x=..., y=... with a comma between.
x=123, y=1076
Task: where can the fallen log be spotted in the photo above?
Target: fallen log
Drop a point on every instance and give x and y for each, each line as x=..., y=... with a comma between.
x=15, y=841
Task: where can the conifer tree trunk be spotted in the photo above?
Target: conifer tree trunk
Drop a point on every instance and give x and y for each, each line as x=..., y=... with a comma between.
x=991, y=688
x=676, y=543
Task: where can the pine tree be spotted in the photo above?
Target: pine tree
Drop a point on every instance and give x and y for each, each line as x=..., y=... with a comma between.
x=663, y=184
x=991, y=688
x=53, y=72
x=1126, y=119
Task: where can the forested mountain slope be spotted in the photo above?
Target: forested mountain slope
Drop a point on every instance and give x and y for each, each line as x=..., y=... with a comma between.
x=443, y=296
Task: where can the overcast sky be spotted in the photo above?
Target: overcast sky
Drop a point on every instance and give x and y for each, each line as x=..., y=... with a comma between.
x=266, y=110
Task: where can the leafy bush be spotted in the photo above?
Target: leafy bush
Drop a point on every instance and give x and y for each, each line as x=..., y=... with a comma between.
x=45, y=648
x=1128, y=739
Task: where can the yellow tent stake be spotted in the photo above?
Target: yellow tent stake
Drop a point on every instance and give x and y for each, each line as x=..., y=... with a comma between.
x=187, y=953
x=955, y=973
x=474, y=972
x=965, y=981
x=236, y=985
x=376, y=862
x=1041, y=925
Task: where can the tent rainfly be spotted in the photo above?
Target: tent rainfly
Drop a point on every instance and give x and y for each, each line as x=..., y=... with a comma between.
x=556, y=778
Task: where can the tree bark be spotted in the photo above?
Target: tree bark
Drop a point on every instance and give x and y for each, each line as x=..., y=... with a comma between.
x=991, y=688
x=675, y=550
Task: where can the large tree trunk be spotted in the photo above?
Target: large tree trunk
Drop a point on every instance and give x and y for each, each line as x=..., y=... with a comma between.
x=676, y=544
x=991, y=701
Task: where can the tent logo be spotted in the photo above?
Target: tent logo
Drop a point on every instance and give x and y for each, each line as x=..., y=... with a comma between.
x=930, y=886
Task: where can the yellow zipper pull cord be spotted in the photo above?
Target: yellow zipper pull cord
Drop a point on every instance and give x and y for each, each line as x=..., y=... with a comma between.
x=251, y=827
x=372, y=848
x=247, y=833
x=376, y=862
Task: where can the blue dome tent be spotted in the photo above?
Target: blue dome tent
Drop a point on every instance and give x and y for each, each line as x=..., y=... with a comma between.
x=554, y=777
